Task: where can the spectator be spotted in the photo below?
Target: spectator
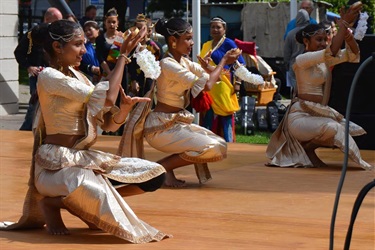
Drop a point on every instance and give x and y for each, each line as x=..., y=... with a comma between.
x=90, y=15
x=220, y=117
x=107, y=49
x=108, y=43
x=307, y=5
x=31, y=58
x=90, y=63
x=292, y=48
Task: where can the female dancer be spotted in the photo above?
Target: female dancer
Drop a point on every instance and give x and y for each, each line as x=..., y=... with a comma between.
x=169, y=127
x=65, y=173
x=310, y=123
x=220, y=118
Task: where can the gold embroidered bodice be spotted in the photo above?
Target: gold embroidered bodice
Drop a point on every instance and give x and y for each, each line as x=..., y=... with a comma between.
x=62, y=101
x=176, y=80
x=313, y=68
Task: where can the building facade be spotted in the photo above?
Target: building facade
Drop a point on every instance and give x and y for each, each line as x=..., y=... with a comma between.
x=8, y=64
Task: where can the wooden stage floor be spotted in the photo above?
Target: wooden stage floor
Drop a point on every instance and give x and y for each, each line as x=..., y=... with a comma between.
x=245, y=206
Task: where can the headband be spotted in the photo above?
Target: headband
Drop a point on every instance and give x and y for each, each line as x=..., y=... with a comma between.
x=66, y=38
x=312, y=33
x=218, y=19
x=172, y=32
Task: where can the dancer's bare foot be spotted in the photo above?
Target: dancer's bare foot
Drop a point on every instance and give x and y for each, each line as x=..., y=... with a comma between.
x=172, y=182
x=51, y=211
x=316, y=161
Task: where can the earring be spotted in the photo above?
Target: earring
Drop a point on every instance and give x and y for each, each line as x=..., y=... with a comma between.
x=174, y=45
x=59, y=66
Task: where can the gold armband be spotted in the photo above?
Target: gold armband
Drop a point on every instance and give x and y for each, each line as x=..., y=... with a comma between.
x=117, y=123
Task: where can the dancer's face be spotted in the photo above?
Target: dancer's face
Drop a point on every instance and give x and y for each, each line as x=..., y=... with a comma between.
x=185, y=43
x=72, y=52
x=318, y=41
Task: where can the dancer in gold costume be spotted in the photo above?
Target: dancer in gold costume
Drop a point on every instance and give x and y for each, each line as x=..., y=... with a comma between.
x=65, y=173
x=309, y=122
x=169, y=127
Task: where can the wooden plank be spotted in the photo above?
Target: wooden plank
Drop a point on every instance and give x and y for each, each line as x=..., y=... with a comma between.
x=246, y=206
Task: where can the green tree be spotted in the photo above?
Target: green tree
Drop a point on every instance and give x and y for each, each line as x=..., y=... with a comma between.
x=368, y=6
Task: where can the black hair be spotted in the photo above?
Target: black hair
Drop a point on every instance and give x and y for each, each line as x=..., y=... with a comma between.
x=42, y=34
x=111, y=12
x=307, y=31
x=90, y=7
x=92, y=24
x=174, y=25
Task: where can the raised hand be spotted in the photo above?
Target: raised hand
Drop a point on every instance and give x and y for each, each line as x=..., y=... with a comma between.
x=131, y=41
x=127, y=102
x=350, y=15
x=232, y=55
x=205, y=62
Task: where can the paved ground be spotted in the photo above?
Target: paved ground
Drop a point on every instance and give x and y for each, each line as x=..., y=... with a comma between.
x=14, y=121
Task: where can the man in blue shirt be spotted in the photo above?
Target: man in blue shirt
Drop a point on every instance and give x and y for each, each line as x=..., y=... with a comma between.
x=309, y=7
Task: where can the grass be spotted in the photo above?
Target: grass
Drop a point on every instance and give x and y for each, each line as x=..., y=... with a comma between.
x=258, y=137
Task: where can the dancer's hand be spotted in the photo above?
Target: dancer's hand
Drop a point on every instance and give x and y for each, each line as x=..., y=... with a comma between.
x=205, y=62
x=127, y=102
x=350, y=15
x=232, y=55
x=131, y=41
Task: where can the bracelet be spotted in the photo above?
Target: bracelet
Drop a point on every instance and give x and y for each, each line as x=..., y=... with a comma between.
x=345, y=23
x=347, y=36
x=127, y=59
x=114, y=121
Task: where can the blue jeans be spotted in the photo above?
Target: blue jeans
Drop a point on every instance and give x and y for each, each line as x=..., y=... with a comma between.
x=29, y=117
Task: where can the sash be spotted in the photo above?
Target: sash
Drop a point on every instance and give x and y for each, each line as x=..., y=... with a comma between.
x=131, y=143
x=224, y=98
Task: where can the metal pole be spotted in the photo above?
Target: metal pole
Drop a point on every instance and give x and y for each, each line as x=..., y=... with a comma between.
x=293, y=9
x=196, y=15
x=62, y=6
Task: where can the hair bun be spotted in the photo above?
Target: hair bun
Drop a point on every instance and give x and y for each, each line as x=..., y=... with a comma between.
x=160, y=26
